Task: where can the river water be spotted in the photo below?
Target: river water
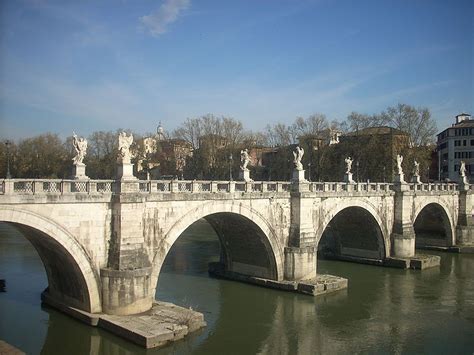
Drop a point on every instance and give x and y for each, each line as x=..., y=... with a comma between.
x=383, y=311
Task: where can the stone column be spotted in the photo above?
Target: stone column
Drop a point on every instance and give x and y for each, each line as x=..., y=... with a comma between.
x=403, y=234
x=348, y=178
x=125, y=171
x=79, y=172
x=244, y=175
x=416, y=179
x=465, y=225
x=126, y=287
x=300, y=255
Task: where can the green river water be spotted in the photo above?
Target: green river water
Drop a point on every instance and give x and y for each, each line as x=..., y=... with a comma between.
x=383, y=311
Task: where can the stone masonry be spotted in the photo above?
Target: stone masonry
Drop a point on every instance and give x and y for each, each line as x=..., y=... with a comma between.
x=104, y=242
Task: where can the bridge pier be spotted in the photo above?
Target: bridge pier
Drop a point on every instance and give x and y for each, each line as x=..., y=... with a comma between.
x=301, y=254
x=403, y=233
x=300, y=263
x=126, y=281
x=465, y=225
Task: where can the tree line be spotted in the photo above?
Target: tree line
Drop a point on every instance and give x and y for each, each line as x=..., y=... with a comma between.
x=214, y=139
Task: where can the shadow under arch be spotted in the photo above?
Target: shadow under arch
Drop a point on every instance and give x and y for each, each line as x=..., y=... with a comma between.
x=433, y=226
x=355, y=234
x=249, y=245
x=71, y=277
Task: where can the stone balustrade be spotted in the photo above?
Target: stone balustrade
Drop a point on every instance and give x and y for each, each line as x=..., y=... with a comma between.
x=55, y=186
x=434, y=187
x=194, y=186
x=61, y=187
x=350, y=187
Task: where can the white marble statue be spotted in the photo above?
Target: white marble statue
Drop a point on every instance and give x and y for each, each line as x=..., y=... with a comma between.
x=399, y=164
x=416, y=168
x=462, y=169
x=124, y=143
x=298, y=154
x=80, y=146
x=244, y=159
x=348, y=162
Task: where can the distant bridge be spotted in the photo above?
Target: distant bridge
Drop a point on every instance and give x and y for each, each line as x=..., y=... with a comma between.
x=103, y=242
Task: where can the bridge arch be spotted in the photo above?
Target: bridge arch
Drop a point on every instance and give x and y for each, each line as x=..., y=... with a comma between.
x=433, y=224
x=228, y=217
x=71, y=276
x=364, y=216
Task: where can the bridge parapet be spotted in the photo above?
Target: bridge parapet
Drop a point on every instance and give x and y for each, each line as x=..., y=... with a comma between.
x=434, y=187
x=55, y=186
x=350, y=187
x=195, y=186
x=62, y=187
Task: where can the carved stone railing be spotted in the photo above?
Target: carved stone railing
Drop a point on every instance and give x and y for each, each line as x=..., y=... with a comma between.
x=194, y=186
x=62, y=187
x=55, y=186
x=356, y=187
x=427, y=187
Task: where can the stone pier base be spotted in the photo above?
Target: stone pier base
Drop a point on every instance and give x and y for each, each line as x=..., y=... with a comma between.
x=162, y=324
x=321, y=284
x=417, y=262
x=461, y=249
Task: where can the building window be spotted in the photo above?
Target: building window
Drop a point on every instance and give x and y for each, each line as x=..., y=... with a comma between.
x=457, y=143
x=472, y=141
x=464, y=142
x=443, y=146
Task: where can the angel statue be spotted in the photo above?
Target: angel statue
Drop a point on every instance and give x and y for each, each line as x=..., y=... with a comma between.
x=80, y=146
x=416, y=168
x=348, y=161
x=124, y=143
x=298, y=154
x=399, y=164
x=462, y=169
x=245, y=159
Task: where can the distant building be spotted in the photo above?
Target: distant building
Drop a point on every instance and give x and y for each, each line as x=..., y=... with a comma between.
x=388, y=140
x=321, y=139
x=163, y=155
x=455, y=144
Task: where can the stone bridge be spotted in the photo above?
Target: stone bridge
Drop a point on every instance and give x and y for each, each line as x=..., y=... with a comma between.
x=103, y=242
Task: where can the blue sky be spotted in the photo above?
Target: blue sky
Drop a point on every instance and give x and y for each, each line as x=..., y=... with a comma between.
x=103, y=65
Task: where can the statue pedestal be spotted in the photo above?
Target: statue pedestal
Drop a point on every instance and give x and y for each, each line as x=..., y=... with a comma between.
x=298, y=175
x=125, y=171
x=416, y=179
x=348, y=178
x=463, y=183
x=400, y=178
x=244, y=175
x=79, y=172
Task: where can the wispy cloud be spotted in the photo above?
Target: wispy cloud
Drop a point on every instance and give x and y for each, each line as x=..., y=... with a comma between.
x=158, y=21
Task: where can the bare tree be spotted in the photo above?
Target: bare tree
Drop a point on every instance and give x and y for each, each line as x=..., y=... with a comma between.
x=357, y=121
x=190, y=131
x=418, y=123
x=312, y=125
x=279, y=135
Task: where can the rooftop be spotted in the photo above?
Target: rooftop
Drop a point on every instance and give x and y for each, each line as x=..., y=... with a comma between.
x=381, y=130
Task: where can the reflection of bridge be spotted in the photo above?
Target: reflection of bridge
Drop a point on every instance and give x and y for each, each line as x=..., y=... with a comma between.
x=103, y=243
